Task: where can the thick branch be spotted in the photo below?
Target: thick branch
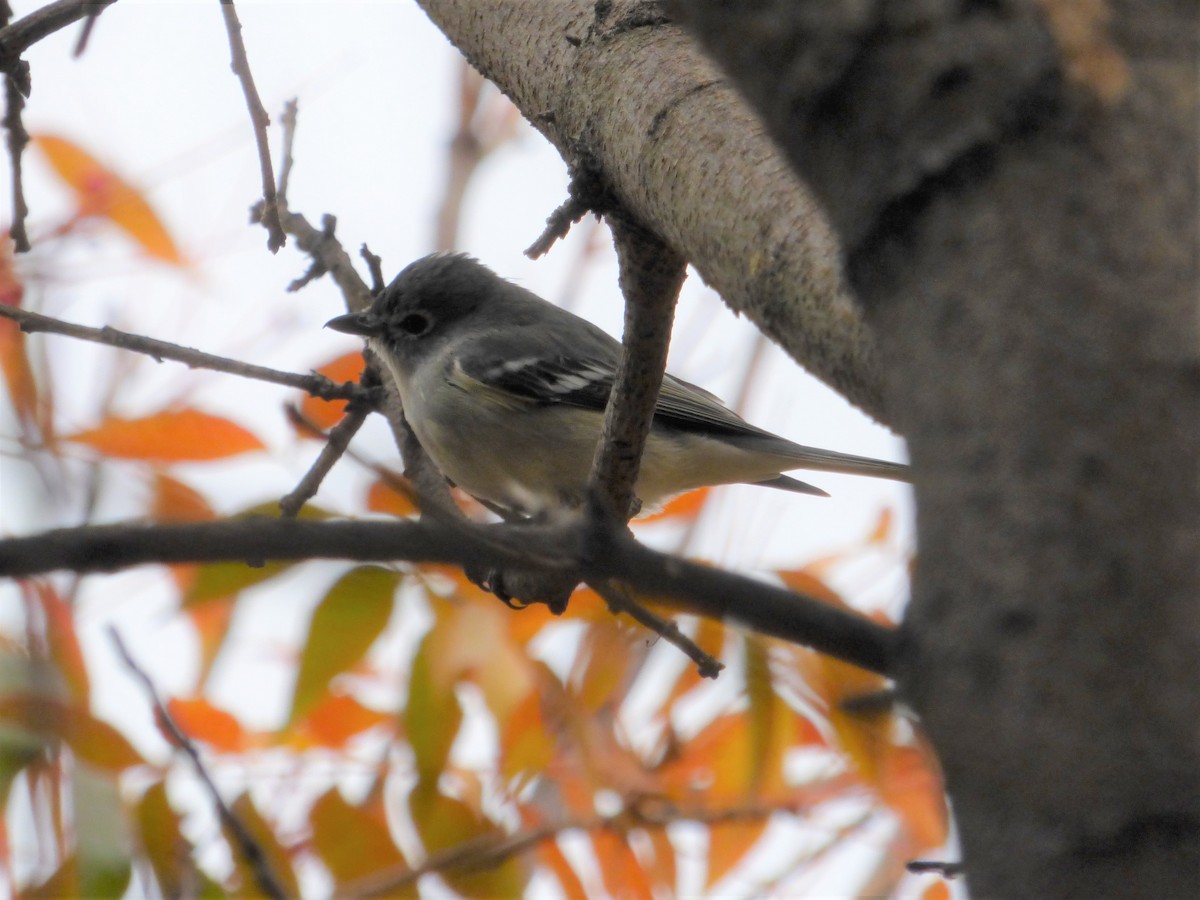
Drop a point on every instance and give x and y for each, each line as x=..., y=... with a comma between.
x=635, y=102
x=596, y=551
x=651, y=275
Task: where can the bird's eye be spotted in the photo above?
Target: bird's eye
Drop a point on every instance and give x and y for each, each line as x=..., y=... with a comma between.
x=415, y=324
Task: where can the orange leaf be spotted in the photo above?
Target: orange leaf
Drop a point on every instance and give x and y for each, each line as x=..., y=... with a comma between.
x=101, y=192
x=187, y=435
x=939, y=890
x=728, y=844
x=384, y=498
x=911, y=785
x=884, y=526
x=174, y=501
x=202, y=721
x=11, y=287
x=803, y=581
x=61, y=639
x=551, y=856
x=327, y=413
x=18, y=374
x=622, y=871
x=335, y=720
x=685, y=506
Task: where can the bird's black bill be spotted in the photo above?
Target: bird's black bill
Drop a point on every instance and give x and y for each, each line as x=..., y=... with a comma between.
x=360, y=323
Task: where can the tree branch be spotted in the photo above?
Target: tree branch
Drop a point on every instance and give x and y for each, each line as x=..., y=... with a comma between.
x=316, y=385
x=651, y=275
x=636, y=100
x=246, y=845
x=260, y=121
x=22, y=34
x=593, y=549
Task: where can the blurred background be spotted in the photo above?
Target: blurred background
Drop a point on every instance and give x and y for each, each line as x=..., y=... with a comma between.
x=411, y=152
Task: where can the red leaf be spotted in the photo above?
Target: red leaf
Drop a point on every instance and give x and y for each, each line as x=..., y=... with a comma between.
x=186, y=435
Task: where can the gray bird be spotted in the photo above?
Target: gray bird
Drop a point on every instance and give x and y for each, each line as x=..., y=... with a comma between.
x=506, y=393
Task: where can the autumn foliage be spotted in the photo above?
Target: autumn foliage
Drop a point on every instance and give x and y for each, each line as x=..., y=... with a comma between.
x=429, y=732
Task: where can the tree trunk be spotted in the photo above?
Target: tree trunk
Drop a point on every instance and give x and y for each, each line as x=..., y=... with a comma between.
x=1015, y=185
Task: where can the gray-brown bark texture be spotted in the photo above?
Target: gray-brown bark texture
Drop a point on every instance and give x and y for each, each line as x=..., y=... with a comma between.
x=1015, y=185
x=634, y=105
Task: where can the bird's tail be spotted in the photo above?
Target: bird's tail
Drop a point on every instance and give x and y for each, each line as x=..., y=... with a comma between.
x=816, y=459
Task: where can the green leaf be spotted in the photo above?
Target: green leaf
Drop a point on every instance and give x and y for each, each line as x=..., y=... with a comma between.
x=432, y=715
x=344, y=626
x=353, y=841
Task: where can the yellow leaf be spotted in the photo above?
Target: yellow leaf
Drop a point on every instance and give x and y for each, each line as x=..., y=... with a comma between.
x=186, y=435
x=102, y=192
x=344, y=626
x=352, y=841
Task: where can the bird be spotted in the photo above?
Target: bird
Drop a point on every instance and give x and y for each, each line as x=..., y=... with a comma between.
x=506, y=394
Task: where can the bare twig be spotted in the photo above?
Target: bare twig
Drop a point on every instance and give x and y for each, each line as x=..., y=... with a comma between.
x=258, y=116
x=85, y=33
x=246, y=844
x=287, y=121
x=558, y=223
x=486, y=119
x=619, y=600
x=18, y=137
x=316, y=385
x=594, y=550
x=945, y=869
x=490, y=850
x=375, y=267
x=18, y=37
x=336, y=443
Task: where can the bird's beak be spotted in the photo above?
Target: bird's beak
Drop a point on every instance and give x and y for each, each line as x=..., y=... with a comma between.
x=361, y=323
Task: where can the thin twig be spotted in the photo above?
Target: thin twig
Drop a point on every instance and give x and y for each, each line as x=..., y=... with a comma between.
x=246, y=844
x=291, y=113
x=18, y=137
x=85, y=33
x=945, y=869
x=375, y=267
x=316, y=385
x=591, y=550
x=620, y=600
x=491, y=850
x=18, y=37
x=337, y=440
x=259, y=118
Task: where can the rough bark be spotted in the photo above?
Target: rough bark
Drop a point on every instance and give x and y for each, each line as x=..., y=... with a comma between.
x=635, y=106
x=1016, y=183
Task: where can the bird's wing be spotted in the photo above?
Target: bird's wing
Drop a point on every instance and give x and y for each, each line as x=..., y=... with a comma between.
x=585, y=381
